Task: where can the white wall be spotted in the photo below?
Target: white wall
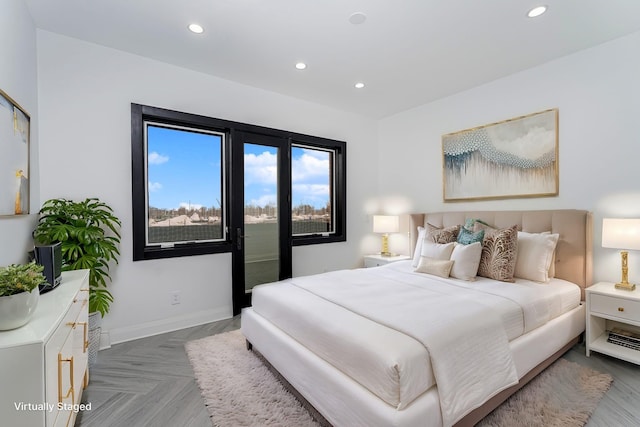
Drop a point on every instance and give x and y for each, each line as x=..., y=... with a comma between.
x=85, y=91
x=84, y=96
x=18, y=80
x=597, y=92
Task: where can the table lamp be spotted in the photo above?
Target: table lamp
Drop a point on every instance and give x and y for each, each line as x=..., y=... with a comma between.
x=386, y=224
x=622, y=233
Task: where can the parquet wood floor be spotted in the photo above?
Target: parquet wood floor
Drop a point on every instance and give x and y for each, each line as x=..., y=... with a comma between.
x=149, y=383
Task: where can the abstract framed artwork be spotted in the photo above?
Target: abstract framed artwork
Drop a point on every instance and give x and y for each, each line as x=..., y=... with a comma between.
x=509, y=159
x=14, y=157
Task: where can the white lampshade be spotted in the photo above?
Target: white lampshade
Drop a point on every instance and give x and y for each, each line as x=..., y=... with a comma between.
x=386, y=223
x=621, y=233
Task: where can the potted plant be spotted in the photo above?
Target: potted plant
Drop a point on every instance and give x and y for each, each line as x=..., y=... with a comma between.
x=19, y=293
x=89, y=235
x=83, y=229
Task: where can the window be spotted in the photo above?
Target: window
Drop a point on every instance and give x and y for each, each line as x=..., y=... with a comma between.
x=318, y=191
x=312, y=191
x=179, y=184
x=182, y=189
x=184, y=185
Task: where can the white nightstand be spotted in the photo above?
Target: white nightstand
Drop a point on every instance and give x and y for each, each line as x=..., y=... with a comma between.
x=377, y=260
x=608, y=307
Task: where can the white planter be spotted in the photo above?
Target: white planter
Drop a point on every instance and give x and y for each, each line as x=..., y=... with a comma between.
x=95, y=330
x=16, y=310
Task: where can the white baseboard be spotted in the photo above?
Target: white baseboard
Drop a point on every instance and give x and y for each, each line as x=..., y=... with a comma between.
x=142, y=330
x=105, y=340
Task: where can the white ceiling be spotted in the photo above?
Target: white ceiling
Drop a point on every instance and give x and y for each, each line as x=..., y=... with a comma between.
x=407, y=52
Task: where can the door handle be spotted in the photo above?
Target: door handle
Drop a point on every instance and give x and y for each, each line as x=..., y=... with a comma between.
x=239, y=238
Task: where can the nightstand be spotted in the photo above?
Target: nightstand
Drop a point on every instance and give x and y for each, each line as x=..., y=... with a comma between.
x=377, y=260
x=607, y=308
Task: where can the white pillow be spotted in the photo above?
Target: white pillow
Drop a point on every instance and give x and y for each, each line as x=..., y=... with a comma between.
x=466, y=259
x=535, y=252
x=437, y=267
x=422, y=233
x=437, y=250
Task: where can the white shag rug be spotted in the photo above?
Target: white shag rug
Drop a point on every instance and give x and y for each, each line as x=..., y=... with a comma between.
x=239, y=390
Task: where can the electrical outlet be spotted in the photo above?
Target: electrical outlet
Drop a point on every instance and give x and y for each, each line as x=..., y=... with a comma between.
x=175, y=297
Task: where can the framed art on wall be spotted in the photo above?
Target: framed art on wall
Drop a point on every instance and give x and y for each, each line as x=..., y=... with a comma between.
x=14, y=157
x=509, y=159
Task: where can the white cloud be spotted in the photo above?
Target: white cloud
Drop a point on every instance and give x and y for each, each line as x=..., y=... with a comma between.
x=154, y=186
x=262, y=168
x=310, y=166
x=157, y=159
x=310, y=177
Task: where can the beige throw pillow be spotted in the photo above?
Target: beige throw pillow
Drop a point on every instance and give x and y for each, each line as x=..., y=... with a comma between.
x=437, y=267
x=466, y=260
x=535, y=255
x=437, y=250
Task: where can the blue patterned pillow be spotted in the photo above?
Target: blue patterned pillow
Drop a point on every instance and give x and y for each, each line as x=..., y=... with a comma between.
x=467, y=237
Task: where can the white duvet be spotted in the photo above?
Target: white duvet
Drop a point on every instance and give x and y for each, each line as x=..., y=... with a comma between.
x=397, y=332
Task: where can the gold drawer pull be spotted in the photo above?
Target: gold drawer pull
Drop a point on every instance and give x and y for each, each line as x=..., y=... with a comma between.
x=70, y=391
x=620, y=308
x=85, y=326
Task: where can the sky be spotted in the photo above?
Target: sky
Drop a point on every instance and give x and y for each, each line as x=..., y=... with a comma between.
x=184, y=170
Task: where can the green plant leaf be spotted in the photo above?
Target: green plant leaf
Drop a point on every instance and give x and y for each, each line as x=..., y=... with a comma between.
x=15, y=279
x=90, y=236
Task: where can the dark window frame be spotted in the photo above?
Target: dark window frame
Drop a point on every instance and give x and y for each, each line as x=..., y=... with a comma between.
x=142, y=113
x=139, y=115
x=339, y=187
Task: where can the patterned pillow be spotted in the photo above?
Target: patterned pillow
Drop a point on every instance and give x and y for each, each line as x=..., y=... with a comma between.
x=470, y=223
x=466, y=237
x=499, y=252
x=442, y=235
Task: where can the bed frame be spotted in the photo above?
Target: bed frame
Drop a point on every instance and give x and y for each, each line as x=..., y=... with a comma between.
x=342, y=401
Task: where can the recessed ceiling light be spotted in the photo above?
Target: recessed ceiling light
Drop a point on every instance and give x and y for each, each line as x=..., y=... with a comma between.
x=359, y=85
x=536, y=11
x=195, y=28
x=357, y=18
x=301, y=65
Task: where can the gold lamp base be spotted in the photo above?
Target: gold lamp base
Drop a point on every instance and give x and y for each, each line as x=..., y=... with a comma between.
x=385, y=246
x=624, y=283
x=626, y=286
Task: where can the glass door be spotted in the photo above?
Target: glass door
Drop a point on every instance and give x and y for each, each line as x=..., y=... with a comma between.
x=262, y=250
x=261, y=219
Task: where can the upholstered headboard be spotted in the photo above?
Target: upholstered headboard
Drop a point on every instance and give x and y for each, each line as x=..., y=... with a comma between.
x=573, y=261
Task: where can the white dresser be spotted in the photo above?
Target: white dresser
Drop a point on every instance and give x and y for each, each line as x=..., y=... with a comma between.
x=43, y=365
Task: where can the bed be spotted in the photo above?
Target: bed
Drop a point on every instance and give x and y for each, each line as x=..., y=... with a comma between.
x=390, y=346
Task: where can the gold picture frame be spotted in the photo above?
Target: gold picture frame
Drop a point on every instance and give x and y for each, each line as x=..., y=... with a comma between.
x=513, y=158
x=15, y=132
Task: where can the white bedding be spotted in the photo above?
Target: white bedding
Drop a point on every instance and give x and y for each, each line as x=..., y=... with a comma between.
x=393, y=365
